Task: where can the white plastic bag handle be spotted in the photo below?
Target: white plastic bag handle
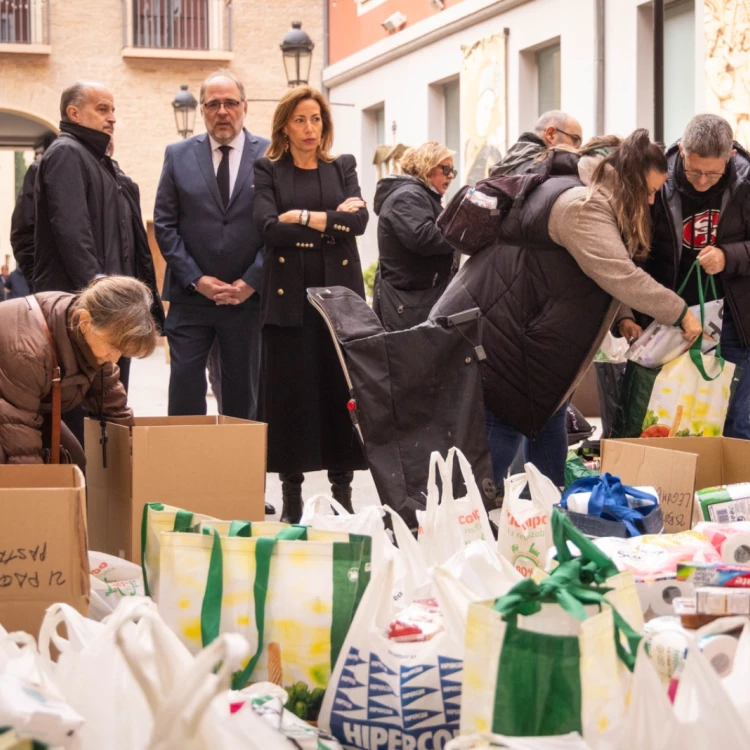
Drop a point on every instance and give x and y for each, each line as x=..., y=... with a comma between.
x=312, y=506
x=472, y=491
x=201, y=685
x=77, y=626
x=544, y=494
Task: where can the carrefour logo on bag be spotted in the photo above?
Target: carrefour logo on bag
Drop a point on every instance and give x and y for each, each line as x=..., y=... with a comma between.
x=471, y=518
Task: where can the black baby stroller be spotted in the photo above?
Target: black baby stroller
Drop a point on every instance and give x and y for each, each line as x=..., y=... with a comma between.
x=411, y=392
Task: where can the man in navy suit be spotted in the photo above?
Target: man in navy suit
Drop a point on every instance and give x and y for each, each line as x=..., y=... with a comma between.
x=204, y=226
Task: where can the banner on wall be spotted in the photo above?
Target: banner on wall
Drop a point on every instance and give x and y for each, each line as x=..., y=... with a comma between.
x=727, y=29
x=483, y=94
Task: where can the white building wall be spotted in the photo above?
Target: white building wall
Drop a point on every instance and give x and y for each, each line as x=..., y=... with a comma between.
x=403, y=84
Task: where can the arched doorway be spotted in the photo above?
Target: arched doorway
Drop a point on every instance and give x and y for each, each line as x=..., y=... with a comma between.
x=20, y=135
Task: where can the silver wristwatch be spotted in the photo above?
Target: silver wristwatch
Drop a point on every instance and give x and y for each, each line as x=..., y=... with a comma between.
x=304, y=217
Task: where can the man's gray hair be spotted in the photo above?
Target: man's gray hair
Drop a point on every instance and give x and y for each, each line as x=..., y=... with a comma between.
x=75, y=96
x=554, y=118
x=222, y=73
x=709, y=137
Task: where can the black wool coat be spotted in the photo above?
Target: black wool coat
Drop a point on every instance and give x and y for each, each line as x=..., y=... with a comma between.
x=283, y=293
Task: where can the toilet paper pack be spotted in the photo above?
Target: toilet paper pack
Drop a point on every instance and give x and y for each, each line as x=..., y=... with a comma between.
x=730, y=540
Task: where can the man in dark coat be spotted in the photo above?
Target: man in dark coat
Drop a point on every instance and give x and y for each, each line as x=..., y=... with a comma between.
x=702, y=212
x=553, y=128
x=205, y=229
x=86, y=223
x=23, y=221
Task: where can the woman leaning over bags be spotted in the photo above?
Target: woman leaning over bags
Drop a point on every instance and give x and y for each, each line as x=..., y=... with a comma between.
x=84, y=335
x=310, y=209
x=551, y=286
x=416, y=261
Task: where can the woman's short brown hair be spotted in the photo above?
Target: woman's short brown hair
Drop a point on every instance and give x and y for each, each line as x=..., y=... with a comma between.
x=120, y=309
x=420, y=161
x=283, y=113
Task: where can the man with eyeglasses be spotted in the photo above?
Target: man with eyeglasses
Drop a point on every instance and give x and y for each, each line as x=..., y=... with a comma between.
x=701, y=212
x=204, y=225
x=553, y=128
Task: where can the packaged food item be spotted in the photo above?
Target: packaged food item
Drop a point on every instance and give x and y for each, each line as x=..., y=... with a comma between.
x=716, y=600
x=481, y=199
x=714, y=574
x=730, y=540
x=657, y=555
x=420, y=621
x=725, y=504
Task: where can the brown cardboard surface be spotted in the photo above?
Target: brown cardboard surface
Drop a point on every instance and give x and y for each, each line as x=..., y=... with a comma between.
x=212, y=465
x=43, y=543
x=720, y=461
x=671, y=472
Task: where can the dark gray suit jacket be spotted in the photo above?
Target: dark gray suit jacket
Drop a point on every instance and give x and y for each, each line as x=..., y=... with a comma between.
x=196, y=235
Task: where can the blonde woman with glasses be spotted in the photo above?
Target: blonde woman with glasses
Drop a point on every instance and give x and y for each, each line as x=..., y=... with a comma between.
x=416, y=261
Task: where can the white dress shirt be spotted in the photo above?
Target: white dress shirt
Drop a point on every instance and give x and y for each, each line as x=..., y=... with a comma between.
x=235, y=156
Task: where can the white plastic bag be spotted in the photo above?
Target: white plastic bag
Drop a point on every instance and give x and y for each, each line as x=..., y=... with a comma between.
x=391, y=693
x=487, y=741
x=195, y=713
x=447, y=523
x=660, y=344
x=525, y=532
x=482, y=570
x=29, y=702
x=368, y=522
x=93, y=678
x=112, y=578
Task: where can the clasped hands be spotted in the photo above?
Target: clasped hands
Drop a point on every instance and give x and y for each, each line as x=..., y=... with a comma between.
x=223, y=293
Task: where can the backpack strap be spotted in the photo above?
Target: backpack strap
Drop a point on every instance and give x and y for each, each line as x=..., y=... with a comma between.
x=36, y=311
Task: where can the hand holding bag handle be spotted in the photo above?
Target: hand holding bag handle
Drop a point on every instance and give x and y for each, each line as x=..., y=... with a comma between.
x=36, y=311
x=695, y=349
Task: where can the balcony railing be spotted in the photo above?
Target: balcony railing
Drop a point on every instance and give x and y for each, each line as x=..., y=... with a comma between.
x=178, y=24
x=24, y=21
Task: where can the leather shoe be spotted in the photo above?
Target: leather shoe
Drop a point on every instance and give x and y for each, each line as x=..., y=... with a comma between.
x=270, y=510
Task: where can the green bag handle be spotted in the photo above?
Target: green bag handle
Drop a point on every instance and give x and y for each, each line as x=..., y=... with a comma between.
x=563, y=586
x=183, y=520
x=695, y=350
x=144, y=530
x=211, y=607
x=241, y=528
x=596, y=565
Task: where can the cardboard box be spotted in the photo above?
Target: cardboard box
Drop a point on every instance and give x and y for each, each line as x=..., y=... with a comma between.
x=212, y=465
x=678, y=467
x=43, y=544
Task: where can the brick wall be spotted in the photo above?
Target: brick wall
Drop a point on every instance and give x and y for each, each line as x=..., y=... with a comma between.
x=86, y=39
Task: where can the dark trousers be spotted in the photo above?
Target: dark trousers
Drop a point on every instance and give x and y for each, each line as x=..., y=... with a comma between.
x=340, y=478
x=191, y=332
x=547, y=451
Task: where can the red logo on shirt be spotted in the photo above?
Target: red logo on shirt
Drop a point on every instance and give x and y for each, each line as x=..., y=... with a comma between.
x=706, y=224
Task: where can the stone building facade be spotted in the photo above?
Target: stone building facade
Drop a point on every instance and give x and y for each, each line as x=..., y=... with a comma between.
x=105, y=41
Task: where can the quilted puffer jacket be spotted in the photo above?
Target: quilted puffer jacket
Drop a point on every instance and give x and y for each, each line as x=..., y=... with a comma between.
x=26, y=376
x=549, y=290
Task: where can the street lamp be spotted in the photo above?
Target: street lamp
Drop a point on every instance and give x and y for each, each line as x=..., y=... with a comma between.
x=297, y=49
x=184, y=105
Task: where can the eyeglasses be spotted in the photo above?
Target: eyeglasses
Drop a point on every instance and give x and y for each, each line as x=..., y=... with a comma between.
x=448, y=171
x=696, y=174
x=575, y=138
x=215, y=105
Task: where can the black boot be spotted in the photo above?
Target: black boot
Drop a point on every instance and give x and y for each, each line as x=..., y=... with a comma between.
x=291, y=495
x=343, y=493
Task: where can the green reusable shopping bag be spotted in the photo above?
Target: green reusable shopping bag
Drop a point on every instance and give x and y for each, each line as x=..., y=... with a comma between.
x=574, y=470
x=544, y=676
x=682, y=391
x=292, y=595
